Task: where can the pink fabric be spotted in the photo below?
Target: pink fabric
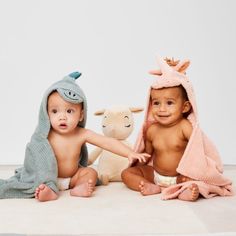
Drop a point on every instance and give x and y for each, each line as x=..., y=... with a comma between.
x=200, y=160
x=206, y=190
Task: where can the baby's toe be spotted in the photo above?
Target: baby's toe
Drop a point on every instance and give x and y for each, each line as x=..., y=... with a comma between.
x=41, y=187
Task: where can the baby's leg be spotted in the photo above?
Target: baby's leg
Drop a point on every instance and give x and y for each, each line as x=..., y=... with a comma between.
x=43, y=193
x=140, y=178
x=182, y=179
x=190, y=194
x=149, y=188
x=83, y=182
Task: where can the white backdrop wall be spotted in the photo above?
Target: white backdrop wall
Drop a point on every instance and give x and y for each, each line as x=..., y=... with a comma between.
x=114, y=43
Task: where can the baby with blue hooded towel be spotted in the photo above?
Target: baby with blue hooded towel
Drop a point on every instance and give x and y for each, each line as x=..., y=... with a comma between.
x=56, y=156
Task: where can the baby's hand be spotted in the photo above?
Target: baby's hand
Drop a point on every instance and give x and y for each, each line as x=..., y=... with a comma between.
x=141, y=157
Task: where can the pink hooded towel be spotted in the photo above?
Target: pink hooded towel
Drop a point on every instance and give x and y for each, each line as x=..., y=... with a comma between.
x=200, y=160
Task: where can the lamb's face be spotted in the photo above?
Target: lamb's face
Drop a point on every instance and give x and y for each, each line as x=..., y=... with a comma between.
x=118, y=123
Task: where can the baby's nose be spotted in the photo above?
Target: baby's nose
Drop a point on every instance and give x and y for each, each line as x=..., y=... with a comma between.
x=62, y=116
x=162, y=107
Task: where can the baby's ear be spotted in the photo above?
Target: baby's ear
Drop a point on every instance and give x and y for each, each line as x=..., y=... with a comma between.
x=136, y=109
x=99, y=113
x=182, y=66
x=187, y=107
x=81, y=116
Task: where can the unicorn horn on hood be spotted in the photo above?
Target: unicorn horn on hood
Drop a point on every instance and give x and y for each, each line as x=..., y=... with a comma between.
x=167, y=66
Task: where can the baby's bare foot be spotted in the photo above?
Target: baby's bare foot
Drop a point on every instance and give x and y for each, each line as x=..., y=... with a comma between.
x=44, y=193
x=190, y=194
x=149, y=188
x=83, y=190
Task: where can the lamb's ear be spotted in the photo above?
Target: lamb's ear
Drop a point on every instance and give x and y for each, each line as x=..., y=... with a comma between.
x=182, y=66
x=155, y=72
x=99, y=113
x=136, y=109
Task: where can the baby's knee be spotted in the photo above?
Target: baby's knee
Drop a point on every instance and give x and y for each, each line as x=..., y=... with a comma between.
x=124, y=174
x=92, y=171
x=182, y=179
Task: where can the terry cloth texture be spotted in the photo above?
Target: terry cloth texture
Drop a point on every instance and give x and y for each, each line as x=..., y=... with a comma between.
x=200, y=160
x=40, y=165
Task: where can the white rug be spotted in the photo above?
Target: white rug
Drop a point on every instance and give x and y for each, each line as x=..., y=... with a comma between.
x=116, y=210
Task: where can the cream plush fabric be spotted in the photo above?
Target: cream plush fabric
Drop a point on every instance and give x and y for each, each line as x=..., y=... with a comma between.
x=118, y=123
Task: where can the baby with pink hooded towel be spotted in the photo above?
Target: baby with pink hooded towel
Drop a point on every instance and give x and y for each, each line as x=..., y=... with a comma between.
x=200, y=161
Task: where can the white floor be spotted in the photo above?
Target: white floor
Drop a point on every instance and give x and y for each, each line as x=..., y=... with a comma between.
x=116, y=210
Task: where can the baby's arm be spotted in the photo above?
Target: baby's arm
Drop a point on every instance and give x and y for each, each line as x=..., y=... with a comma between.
x=113, y=145
x=148, y=141
x=187, y=129
x=187, y=132
x=148, y=145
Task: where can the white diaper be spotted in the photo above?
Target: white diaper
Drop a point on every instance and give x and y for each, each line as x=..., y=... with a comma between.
x=164, y=181
x=63, y=183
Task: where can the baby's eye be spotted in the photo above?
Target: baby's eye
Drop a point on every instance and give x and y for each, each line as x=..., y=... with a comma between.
x=169, y=102
x=54, y=111
x=69, y=111
x=156, y=103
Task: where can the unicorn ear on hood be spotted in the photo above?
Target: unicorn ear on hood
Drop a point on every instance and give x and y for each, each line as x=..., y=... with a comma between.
x=182, y=66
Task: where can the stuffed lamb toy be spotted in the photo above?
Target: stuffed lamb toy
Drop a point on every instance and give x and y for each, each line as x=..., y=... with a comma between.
x=118, y=123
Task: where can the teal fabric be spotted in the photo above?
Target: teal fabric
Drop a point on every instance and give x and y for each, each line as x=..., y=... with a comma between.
x=40, y=165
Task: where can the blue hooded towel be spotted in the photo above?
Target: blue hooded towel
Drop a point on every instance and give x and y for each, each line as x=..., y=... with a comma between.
x=40, y=165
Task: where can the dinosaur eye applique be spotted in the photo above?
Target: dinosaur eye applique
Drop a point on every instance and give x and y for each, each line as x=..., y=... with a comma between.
x=72, y=95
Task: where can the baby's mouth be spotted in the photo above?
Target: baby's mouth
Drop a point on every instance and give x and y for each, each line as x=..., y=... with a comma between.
x=163, y=116
x=63, y=126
